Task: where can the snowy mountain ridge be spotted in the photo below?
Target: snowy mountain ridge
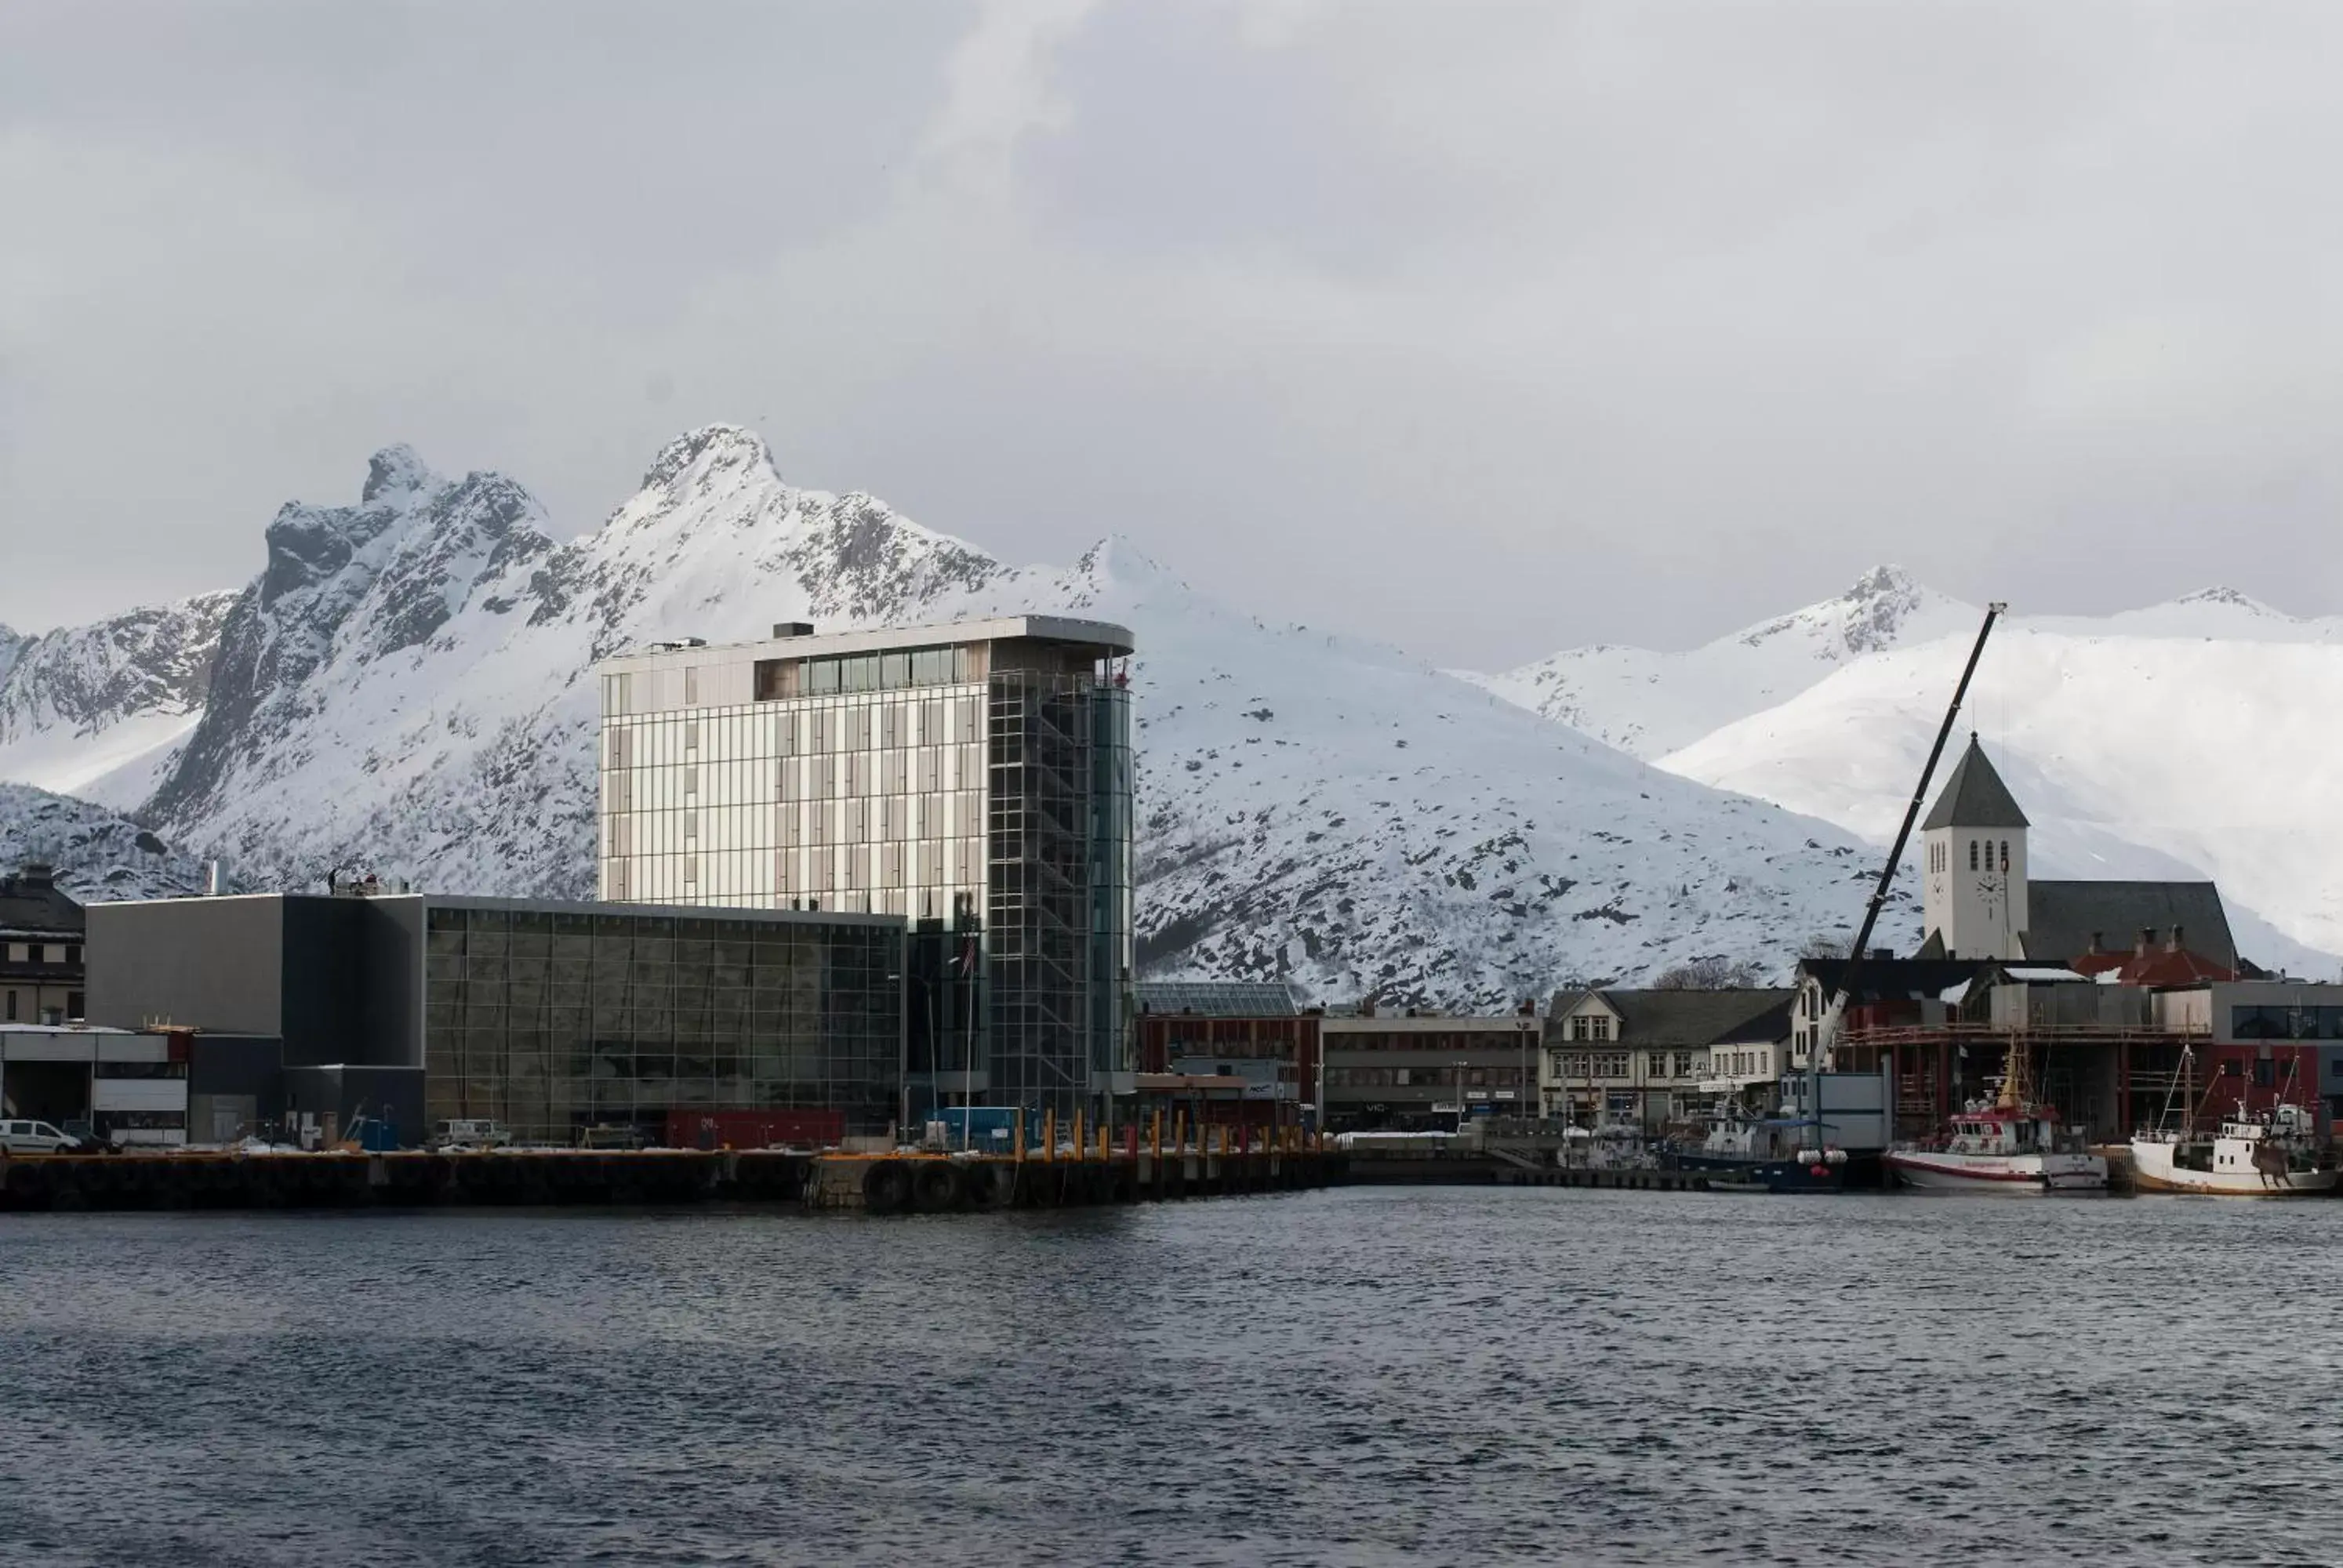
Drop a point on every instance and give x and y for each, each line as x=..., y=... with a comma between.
x=1649, y=703
x=83, y=705
x=406, y=685
x=97, y=854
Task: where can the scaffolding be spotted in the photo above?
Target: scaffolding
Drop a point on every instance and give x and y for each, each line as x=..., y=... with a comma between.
x=2106, y=1077
x=1058, y=890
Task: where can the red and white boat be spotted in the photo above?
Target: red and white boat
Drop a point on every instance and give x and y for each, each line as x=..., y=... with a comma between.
x=2009, y=1144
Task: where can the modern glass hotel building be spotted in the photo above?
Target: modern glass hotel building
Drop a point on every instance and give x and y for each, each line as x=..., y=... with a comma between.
x=973, y=779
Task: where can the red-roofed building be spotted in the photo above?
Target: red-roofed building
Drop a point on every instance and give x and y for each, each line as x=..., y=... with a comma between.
x=2153, y=964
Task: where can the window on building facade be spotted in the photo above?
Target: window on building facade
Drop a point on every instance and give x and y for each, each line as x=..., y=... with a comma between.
x=1611, y=1064
x=1972, y=854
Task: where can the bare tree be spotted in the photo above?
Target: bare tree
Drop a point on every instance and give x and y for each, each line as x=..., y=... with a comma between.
x=1713, y=973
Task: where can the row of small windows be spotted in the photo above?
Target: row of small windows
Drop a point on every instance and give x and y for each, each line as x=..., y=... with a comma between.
x=1981, y=855
x=780, y=678
x=821, y=728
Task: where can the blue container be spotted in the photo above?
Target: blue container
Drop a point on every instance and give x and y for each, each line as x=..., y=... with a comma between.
x=981, y=1127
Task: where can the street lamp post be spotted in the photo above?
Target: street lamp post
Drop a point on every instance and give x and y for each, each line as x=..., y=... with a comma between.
x=1460, y=1096
x=1523, y=1089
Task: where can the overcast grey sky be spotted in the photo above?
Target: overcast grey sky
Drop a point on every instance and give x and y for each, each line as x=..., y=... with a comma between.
x=1488, y=330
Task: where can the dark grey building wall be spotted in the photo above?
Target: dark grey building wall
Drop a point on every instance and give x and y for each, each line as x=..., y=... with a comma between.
x=324, y=981
x=394, y=1094
x=213, y=963
x=235, y=1064
x=393, y=983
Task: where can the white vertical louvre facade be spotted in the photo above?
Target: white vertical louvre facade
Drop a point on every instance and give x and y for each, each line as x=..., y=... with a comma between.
x=972, y=778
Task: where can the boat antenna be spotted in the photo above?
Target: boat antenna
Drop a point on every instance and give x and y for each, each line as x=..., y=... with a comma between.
x=1844, y=990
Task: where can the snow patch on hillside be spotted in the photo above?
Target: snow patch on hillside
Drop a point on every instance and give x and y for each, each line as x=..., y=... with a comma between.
x=98, y=855
x=1650, y=703
x=2134, y=756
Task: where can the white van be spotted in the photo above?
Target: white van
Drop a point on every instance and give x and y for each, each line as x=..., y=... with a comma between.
x=476, y=1132
x=34, y=1138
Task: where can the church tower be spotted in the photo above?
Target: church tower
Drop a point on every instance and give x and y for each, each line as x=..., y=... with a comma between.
x=1973, y=864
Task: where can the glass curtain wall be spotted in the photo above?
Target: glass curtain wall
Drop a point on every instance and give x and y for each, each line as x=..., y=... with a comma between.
x=550, y=1021
x=1060, y=906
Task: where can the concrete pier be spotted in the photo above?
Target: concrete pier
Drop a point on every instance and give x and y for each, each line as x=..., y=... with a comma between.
x=892, y=1183
x=939, y=1183
x=414, y=1179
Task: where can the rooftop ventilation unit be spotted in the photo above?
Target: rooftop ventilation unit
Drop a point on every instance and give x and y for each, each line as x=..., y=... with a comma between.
x=782, y=628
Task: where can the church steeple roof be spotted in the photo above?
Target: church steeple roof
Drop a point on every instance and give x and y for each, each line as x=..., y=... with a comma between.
x=1975, y=796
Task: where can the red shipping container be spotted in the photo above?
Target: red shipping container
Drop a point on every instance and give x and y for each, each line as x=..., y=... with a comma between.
x=754, y=1129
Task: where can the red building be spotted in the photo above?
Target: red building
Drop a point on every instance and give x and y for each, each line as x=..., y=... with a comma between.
x=1229, y=1053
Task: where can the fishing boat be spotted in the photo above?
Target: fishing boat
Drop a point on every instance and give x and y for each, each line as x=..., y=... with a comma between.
x=2264, y=1154
x=2009, y=1144
x=1766, y=1154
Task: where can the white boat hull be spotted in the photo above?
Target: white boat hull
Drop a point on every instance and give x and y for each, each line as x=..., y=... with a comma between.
x=2016, y=1175
x=2153, y=1170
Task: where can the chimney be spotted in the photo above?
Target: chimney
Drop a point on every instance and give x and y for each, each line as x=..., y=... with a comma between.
x=2096, y=939
x=2172, y=944
x=214, y=884
x=788, y=628
x=1882, y=955
x=37, y=875
x=2146, y=941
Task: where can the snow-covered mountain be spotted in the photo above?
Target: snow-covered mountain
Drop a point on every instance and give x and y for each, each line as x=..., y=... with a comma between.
x=98, y=854
x=1650, y=703
x=2193, y=738
x=407, y=685
x=95, y=710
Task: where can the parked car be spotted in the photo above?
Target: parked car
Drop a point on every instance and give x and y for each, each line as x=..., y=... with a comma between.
x=37, y=1138
x=476, y=1132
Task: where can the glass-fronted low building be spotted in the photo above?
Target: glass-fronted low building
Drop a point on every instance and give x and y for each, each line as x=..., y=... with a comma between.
x=683, y=1023
x=973, y=779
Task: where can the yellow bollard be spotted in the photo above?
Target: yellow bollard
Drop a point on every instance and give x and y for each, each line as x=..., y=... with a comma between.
x=1106, y=1149
x=1048, y=1134
x=1020, y=1135
x=1155, y=1135
x=1080, y=1151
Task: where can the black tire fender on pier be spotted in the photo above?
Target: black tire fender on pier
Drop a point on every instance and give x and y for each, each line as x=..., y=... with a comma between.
x=887, y=1188
x=935, y=1190
x=984, y=1186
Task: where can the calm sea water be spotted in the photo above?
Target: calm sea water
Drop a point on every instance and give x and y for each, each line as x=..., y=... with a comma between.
x=1369, y=1376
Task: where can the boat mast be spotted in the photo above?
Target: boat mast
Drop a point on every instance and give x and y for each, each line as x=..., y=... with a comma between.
x=1844, y=990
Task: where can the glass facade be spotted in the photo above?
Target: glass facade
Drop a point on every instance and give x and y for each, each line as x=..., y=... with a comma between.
x=552, y=1020
x=2308, y=1021
x=976, y=785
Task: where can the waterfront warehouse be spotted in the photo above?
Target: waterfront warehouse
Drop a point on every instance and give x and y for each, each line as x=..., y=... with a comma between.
x=548, y=1019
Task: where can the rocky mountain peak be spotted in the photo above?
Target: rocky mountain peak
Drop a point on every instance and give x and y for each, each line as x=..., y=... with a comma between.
x=709, y=449
x=394, y=472
x=1878, y=606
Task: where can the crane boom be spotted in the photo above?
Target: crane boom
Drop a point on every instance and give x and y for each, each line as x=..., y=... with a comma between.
x=1845, y=988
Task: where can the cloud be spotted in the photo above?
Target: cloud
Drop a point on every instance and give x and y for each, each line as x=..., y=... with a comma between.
x=1485, y=329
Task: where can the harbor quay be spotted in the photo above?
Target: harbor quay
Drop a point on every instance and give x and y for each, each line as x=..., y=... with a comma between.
x=890, y=1182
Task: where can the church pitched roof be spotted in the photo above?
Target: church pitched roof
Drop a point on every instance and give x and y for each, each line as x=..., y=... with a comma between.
x=2064, y=916
x=1975, y=796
